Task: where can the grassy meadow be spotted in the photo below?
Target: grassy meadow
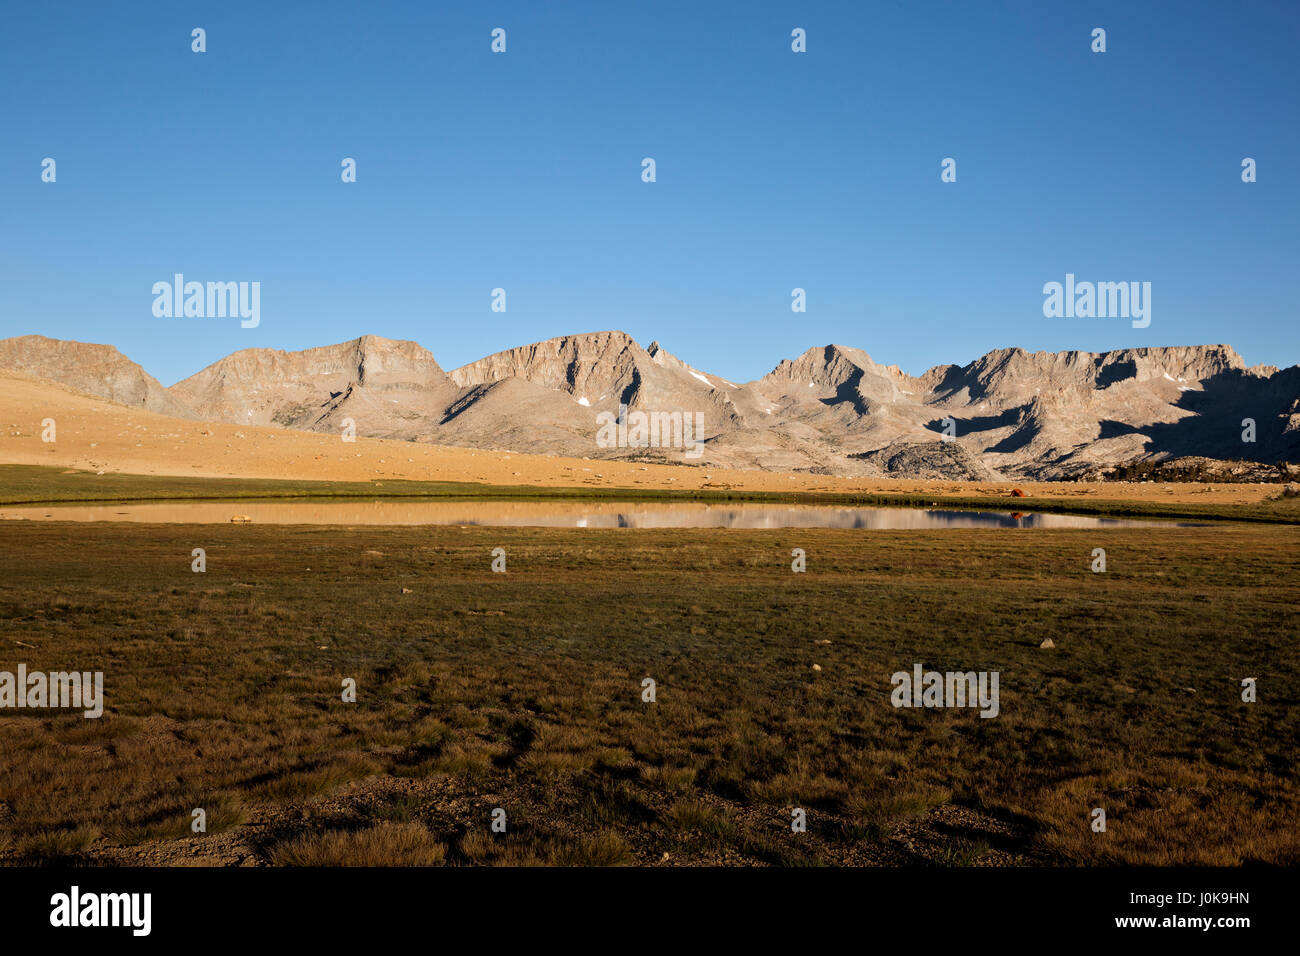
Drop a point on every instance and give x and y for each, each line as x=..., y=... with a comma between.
x=522, y=690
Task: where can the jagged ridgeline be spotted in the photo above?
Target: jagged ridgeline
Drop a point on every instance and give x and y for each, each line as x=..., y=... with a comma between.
x=833, y=410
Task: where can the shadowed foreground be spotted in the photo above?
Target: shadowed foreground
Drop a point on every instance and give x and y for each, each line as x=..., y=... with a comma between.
x=523, y=691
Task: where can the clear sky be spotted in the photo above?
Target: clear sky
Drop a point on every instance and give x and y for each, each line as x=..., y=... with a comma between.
x=775, y=170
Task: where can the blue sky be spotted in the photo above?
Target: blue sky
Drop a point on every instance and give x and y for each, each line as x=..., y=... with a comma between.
x=775, y=170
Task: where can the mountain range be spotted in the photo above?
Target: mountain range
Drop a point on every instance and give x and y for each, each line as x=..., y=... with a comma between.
x=832, y=410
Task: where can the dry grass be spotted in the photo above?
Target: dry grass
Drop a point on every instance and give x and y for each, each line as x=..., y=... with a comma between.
x=522, y=690
x=386, y=844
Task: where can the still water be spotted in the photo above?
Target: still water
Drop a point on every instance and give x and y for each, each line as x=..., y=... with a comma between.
x=561, y=514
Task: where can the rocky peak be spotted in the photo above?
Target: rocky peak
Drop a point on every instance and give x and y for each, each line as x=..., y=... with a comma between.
x=96, y=369
x=263, y=386
x=586, y=366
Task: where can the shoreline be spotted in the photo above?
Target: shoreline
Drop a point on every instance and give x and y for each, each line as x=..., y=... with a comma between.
x=18, y=485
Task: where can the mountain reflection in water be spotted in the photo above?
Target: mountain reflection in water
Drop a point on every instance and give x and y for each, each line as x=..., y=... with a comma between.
x=561, y=513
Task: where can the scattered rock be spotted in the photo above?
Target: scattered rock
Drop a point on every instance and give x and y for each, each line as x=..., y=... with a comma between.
x=1047, y=644
x=930, y=460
